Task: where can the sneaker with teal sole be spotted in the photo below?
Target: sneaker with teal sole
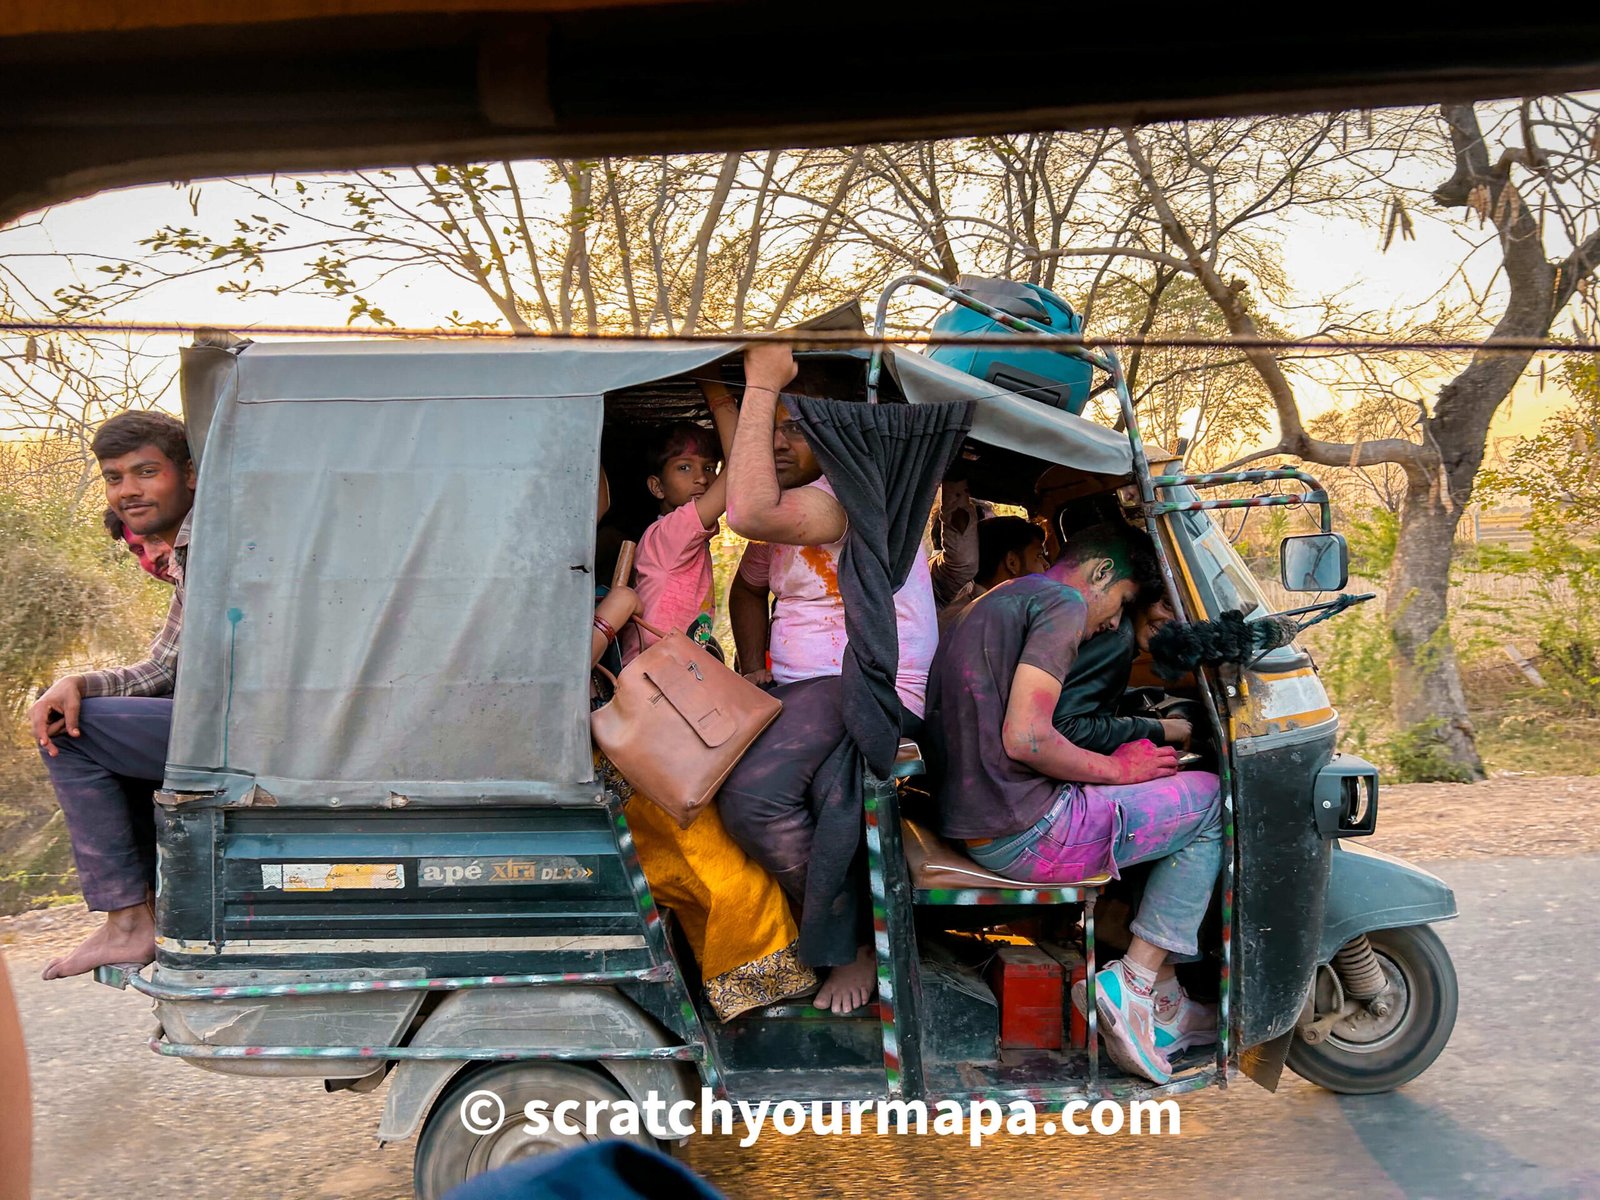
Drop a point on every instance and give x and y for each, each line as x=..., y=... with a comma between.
x=1180, y=1025
x=1127, y=1024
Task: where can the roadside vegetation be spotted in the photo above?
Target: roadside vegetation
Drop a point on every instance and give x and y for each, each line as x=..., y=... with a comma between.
x=70, y=598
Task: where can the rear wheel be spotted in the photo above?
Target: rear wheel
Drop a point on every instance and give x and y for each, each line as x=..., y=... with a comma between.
x=449, y=1153
x=1388, y=1043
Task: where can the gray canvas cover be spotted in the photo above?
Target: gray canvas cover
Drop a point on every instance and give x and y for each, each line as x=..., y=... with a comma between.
x=391, y=573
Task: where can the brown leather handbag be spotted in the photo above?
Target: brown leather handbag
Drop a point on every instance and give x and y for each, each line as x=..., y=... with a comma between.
x=678, y=722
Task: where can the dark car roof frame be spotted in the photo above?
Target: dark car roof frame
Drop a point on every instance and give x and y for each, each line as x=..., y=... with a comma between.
x=93, y=108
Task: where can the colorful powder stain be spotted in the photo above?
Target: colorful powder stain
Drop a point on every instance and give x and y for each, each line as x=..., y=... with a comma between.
x=822, y=565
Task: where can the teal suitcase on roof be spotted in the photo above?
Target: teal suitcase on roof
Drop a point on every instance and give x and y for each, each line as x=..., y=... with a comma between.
x=1059, y=380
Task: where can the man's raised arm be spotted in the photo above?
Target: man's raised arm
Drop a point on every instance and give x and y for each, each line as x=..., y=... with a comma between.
x=759, y=508
x=725, y=416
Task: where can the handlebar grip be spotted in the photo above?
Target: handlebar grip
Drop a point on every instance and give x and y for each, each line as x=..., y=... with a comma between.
x=624, y=571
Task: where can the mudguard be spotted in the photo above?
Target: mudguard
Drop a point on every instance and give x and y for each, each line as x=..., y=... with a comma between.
x=1369, y=890
x=594, y=1018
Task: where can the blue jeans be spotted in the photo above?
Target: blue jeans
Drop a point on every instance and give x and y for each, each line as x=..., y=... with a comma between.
x=1095, y=829
x=103, y=780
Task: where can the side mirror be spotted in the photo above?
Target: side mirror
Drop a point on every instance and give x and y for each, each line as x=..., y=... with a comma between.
x=1314, y=562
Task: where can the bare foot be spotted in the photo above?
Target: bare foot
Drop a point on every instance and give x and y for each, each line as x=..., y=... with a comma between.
x=128, y=936
x=848, y=987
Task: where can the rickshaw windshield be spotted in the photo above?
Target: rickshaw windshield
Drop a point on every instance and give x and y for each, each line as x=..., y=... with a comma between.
x=1222, y=579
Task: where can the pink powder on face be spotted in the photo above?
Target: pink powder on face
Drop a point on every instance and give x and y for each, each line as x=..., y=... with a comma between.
x=152, y=556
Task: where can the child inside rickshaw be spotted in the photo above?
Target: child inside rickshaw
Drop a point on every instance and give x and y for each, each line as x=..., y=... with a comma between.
x=733, y=913
x=673, y=571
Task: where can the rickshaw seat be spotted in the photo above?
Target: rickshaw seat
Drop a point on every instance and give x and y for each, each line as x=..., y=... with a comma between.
x=938, y=869
x=908, y=760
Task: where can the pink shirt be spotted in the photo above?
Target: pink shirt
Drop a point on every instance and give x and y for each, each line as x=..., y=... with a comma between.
x=807, y=637
x=672, y=575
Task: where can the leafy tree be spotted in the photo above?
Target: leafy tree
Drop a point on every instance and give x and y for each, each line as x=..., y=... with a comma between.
x=56, y=388
x=684, y=245
x=1065, y=210
x=1533, y=181
x=710, y=243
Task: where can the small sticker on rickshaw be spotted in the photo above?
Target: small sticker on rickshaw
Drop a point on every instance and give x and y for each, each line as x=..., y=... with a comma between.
x=332, y=877
x=487, y=872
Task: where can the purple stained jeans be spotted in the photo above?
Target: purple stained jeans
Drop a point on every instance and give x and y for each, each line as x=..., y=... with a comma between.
x=1096, y=829
x=103, y=780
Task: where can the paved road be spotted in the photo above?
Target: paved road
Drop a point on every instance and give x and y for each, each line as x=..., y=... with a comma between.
x=1509, y=1110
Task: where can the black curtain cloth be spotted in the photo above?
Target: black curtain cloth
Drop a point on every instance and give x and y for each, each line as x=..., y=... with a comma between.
x=884, y=462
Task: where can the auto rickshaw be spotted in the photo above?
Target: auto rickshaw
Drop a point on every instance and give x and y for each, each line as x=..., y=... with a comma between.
x=384, y=857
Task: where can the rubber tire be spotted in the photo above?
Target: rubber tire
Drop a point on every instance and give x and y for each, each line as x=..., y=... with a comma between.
x=1432, y=1017
x=445, y=1147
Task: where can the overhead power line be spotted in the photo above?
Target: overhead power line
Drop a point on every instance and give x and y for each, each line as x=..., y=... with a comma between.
x=834, y=338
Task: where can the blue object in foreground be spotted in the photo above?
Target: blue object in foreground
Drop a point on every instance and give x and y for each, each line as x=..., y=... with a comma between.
x=613, y=1170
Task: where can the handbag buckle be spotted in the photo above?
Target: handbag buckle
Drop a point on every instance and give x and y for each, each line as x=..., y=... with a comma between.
x=695, y=667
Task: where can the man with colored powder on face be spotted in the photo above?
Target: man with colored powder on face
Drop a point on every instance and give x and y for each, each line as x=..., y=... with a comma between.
x=103, y=735
x=152, y=554
x=779, y=498
x=1033, y=806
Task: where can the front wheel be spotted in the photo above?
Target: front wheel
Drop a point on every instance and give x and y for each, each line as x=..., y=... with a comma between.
x=450, y=1153
x=1367, y=1052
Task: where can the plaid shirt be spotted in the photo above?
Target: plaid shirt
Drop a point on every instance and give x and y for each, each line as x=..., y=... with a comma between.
x=158, y=673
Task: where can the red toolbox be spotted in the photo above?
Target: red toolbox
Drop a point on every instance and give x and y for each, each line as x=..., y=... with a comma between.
x=1027, y=983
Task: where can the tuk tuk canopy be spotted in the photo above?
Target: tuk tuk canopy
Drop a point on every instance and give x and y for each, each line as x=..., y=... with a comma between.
x=391, y=574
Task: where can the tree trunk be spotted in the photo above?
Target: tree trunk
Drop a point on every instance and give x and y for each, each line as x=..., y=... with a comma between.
x=1430, y=707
